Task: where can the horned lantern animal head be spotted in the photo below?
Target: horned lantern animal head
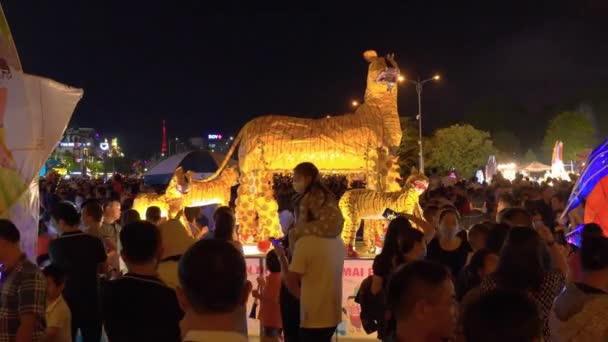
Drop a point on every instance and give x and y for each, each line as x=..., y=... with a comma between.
x=417, y=181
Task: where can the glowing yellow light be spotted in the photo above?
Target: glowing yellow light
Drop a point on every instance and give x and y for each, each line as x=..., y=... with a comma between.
x=436, y=77
x=355, y=103
x=400, y=78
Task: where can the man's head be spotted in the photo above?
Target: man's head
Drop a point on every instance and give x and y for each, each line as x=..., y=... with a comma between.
x=9, y=240
x=478, y=235
x=502, y=317
x=272, y=262
x=213, y=279
x=547, y=192
x=505, y=201
x=478, y=200
x=111, y=210
x=92, y=213
x=558, y=201
x=516, y=217
x=422, y=293
x=153, y=215
x=141, y=243
x=55, y=279
x=65, y=216
x=594, y=253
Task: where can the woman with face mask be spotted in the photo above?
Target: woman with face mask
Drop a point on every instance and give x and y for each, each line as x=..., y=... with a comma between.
x=402, y=244
x=316, y=209
x=447, y=247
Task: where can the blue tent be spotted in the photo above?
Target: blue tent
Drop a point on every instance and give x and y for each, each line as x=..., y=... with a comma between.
x=202, y=163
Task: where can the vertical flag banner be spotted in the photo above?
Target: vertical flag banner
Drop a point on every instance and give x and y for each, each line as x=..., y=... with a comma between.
x=34, y=113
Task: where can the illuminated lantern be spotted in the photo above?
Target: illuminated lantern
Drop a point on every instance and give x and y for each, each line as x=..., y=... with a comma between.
x=183, y=192
x=344, y=144
x=361, y=204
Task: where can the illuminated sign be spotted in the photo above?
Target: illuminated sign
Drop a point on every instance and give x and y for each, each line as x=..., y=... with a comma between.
x=104, y=146
x=66, y=144
x=214, y=137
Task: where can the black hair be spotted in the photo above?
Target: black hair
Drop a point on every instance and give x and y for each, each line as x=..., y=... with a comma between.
x=502, y=316
x=212, y=274
x=411, y=282
x=93, y=208
x=8, y=231
x=140, y=241
x=192, y=213
x=400, y=239
x=55, y=273
x=272, y=262
x=523, y=261
x=509, y=216
x=224, y=223
x=496, y=237
x=67, y=212
x=449, y=210
x=130, y=216
x=508, y=199
x=310, y=170
x=477, y=199
x=479, y=228
x=594, y=252
x=477, y=263
x=153, y=214
x=109, y=202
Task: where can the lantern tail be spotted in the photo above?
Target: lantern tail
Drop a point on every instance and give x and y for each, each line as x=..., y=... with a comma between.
x=226, y=160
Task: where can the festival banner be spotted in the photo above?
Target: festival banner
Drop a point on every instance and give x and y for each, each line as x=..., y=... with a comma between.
x=355, y=270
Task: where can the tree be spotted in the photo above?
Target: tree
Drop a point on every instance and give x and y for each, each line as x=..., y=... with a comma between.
x=408, y=150
x=574, y=129
x=460, y=146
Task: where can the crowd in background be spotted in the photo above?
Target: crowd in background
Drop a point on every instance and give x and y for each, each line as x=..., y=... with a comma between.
x=488, y=262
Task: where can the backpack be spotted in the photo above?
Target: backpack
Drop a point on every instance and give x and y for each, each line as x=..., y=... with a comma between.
x=372, y=307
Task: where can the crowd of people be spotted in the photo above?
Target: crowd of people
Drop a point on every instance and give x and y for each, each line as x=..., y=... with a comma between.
x=487, y=262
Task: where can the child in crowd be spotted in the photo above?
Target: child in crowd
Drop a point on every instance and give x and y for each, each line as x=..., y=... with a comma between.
x=58, y=315
x=268, y=293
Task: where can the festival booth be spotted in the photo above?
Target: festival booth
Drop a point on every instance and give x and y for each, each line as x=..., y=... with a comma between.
x=34, y=112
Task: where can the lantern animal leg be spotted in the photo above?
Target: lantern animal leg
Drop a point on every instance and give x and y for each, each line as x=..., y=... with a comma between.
x=371, y=228
x=351, y=225
x=245, y=208
x=267, y=207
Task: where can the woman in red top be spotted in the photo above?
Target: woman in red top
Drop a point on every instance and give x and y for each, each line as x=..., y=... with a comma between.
x=268, y=294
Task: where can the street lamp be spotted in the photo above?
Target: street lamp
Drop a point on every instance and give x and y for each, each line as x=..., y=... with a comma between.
x=419, y=85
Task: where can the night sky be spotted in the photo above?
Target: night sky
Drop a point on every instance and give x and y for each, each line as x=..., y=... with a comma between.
x=211, y=69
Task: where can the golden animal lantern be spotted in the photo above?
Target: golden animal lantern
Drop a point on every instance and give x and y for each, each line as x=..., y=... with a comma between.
x=183, y=191
x=359, y=204
x=363, y=142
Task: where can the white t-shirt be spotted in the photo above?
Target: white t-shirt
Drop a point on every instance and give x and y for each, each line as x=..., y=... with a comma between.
x=320, y=261
x=58, y=315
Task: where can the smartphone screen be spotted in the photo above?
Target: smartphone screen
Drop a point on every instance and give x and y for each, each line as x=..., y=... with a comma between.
x=389, y=214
